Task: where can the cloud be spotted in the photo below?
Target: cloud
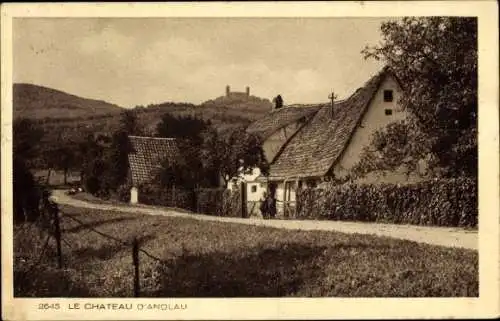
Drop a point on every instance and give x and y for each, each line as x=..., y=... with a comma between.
x=108, y=41
x=141, y=61
x=177, y=55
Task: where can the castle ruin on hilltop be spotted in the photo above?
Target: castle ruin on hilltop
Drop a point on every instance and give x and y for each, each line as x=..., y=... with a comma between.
x=237, y=94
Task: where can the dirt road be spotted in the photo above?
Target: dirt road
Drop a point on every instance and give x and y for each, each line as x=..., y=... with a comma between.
x=449, y=237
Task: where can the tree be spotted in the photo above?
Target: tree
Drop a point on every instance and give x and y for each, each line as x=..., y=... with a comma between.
x=399, y=143
x=184, y=127
x=61, y=158
x=129, y=123
x=435, y=59
x=66, y=161
x=26, y=135
x=233, y=152
x=187, y=169
x=26, y=192
x=121, y=147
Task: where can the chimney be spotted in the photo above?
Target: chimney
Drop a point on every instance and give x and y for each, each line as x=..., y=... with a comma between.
x=248, y=91
x=278, y=102
x=228, y=90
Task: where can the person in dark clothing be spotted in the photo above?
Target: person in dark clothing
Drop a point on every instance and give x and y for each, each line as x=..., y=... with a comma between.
x=271, y=206
x=263, y=206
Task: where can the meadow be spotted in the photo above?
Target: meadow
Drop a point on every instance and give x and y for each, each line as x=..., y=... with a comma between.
x=184, y=257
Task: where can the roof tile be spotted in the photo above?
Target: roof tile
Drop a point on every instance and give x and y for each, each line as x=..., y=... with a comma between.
x=318, y=145
x=280, y=118
x=147, y=156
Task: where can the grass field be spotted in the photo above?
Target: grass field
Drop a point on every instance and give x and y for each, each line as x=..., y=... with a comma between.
x=211, y=259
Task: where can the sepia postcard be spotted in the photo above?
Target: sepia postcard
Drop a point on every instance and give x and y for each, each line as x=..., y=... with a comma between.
x=250, y=160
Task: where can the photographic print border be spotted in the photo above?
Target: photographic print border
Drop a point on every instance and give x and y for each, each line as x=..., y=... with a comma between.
x=283, y=308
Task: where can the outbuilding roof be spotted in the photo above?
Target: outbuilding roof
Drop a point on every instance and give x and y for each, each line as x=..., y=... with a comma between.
x=147, y=156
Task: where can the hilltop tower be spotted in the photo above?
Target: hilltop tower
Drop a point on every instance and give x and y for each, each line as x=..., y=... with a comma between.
x=242, y=95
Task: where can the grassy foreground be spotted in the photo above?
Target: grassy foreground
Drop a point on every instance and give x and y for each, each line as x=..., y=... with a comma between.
x=211, y=259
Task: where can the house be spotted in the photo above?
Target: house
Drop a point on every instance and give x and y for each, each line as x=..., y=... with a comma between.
x=324, y=141
x=275, y=129
x=146, y=158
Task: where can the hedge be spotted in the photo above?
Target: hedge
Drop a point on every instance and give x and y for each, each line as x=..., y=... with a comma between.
x=445, y=202
x=231, y=203
x=219, y=202
x=210, y=201
x=170, y=197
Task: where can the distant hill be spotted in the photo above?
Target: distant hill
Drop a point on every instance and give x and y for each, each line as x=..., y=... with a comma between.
x=67, y=118
x=38, y=102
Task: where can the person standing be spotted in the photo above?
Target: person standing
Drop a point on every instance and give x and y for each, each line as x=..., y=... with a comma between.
x=271, y=206
x=263, y=206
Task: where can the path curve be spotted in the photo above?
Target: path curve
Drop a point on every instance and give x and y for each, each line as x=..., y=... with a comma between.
x=449, y=237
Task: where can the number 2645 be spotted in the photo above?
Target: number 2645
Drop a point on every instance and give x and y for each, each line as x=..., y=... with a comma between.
x=47, y=306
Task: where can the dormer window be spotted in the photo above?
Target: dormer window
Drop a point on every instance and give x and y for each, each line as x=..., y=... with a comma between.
x=388, y=96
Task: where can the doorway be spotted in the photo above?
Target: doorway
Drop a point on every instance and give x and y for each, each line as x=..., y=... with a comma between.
x=272, y=189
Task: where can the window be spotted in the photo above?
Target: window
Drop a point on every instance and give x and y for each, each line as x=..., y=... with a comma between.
x=388, y=96
x=254, y=188
x=388, y=112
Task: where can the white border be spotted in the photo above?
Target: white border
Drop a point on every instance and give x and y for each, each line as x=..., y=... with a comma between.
x=319, y=308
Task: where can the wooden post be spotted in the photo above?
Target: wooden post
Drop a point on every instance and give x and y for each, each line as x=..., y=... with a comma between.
x=195, y=200
x=55, y=213
x=174, y=203
x=243, y=199
x=135, y=259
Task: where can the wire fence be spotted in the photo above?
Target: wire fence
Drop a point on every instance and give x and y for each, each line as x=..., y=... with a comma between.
x=49, y=225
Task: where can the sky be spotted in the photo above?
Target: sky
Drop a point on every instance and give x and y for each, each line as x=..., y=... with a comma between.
x=141, y=61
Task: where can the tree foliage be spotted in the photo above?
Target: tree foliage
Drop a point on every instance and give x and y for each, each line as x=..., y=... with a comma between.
x=233, y=152
x=26, y=191
x=435, y=59
x=186, y=169
x=188, y=128
x=121, y=147
x=106, y=164
x=399, y=144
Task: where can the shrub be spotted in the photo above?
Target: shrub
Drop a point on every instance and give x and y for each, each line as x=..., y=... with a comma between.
x=231, y=203
x=209, y=201
x=123, y=192
x=450, y=202
x=152, y=194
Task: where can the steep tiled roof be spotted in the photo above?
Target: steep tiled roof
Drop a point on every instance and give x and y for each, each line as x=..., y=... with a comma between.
x=147, y=156
x=279, y=118
x=320, y=143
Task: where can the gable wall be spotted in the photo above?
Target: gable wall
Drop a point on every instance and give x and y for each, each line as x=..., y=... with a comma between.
x=373, y=120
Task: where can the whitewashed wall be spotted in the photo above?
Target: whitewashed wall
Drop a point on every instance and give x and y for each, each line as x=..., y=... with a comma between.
x=373, y=120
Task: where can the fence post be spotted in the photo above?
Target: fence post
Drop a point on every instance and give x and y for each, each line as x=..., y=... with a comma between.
x=243, y=199
x=173, y=196
x=55, y=211
x=195, y=200
x=135, y=259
